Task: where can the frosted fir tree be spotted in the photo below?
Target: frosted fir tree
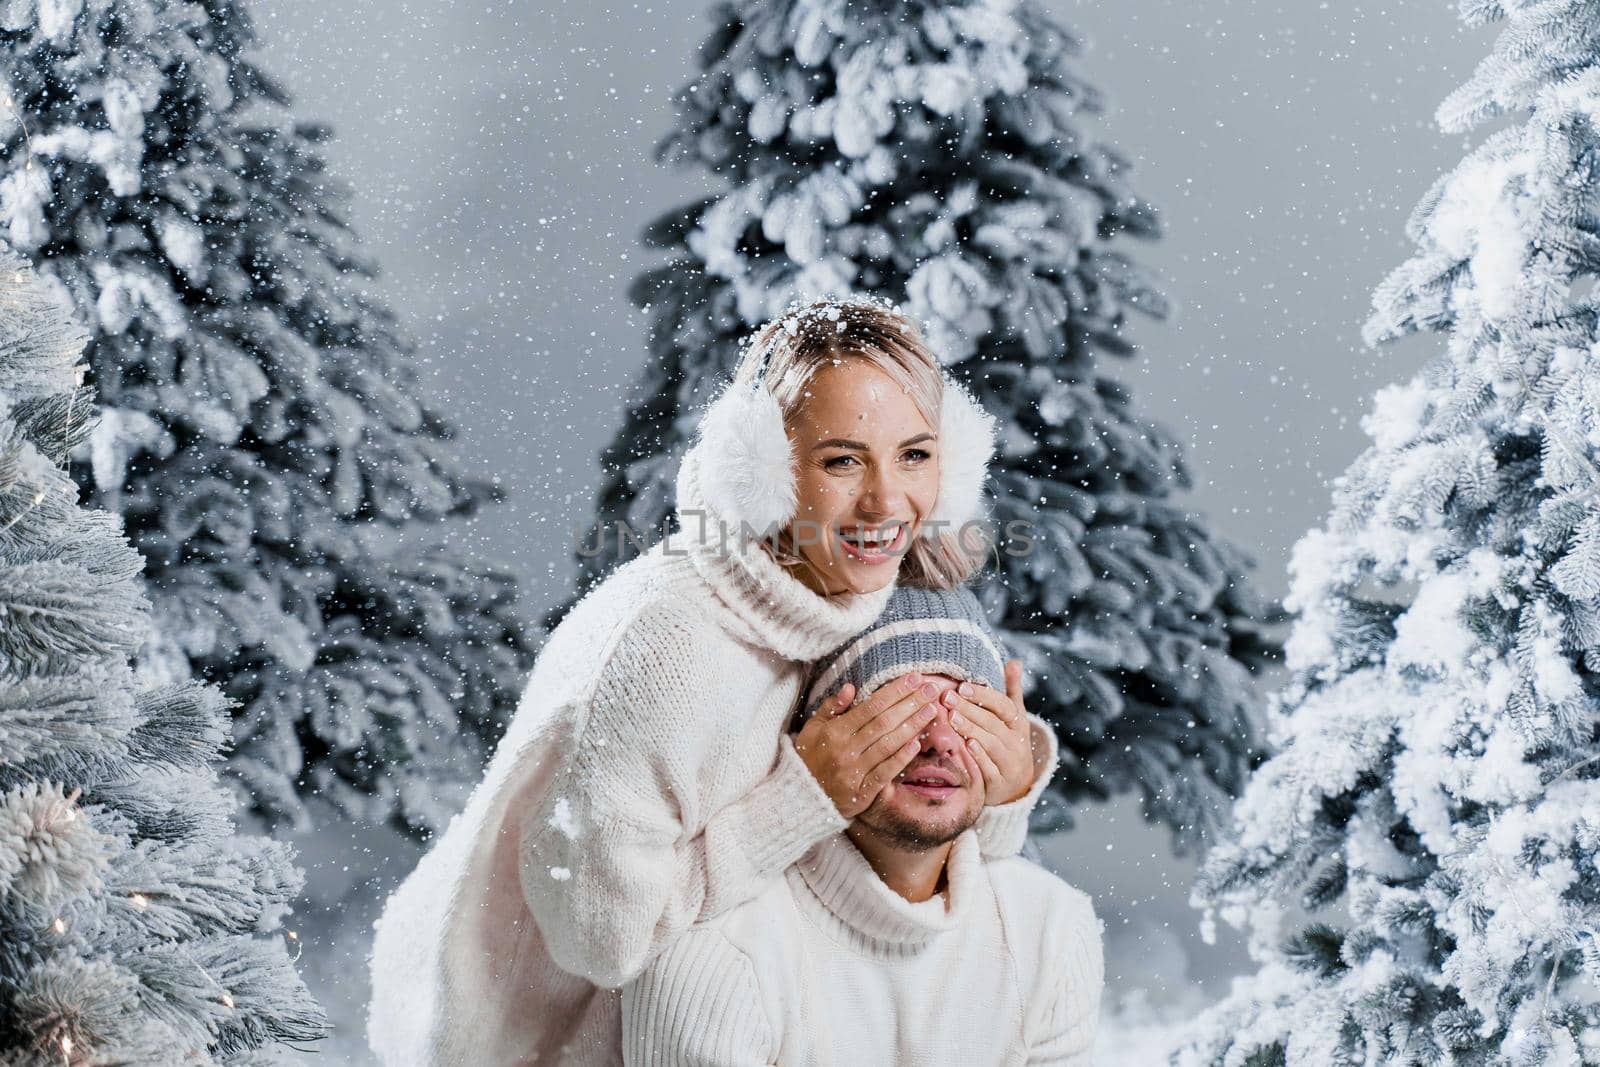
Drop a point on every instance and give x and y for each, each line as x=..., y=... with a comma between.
x=265, y=436
x=1420, y=865
x=136, y=926
x=938, y=155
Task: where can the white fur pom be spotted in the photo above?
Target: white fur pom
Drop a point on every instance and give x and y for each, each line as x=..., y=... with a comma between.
x=966, y=444
x=746, y=462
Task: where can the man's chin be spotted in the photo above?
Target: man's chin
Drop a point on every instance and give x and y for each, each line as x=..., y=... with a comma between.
x=921, y=824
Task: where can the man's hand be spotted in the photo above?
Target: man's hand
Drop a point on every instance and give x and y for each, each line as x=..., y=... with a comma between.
x=855, y=754
x=998, y=735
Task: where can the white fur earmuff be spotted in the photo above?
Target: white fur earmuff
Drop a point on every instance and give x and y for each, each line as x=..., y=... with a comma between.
x=747, y=465
x=966, y=444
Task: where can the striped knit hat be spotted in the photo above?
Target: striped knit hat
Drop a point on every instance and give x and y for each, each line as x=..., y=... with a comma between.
x=934, y=631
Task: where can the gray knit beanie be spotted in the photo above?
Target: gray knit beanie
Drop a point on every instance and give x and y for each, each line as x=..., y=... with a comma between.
x=934, y=631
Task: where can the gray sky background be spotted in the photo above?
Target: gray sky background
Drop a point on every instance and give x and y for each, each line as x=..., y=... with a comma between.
x=500, y=155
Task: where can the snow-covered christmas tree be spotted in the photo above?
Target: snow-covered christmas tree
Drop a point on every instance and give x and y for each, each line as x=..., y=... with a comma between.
x=136, y=925
x=1420, y=865
x=939, y=155
x=265, y=436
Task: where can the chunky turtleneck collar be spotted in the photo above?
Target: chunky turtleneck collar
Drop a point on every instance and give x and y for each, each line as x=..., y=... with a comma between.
x=768, y=604
x=848, y=895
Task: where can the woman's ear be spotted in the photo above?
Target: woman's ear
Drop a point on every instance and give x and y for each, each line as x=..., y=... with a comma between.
x=966, y=445
x=746, y=461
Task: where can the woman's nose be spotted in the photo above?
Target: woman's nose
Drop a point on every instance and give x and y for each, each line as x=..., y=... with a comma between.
x=883, y=493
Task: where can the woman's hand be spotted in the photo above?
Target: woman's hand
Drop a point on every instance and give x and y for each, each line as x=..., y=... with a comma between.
x=855, y=754
x=998, y=734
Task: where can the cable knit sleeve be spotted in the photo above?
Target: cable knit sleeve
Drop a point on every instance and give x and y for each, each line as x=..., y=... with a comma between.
x=1002, y=829
x=1064, y=1018
x=609, y=867
x=697, y=1005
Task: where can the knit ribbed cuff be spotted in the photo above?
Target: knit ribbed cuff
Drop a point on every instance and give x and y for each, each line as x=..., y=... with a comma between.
x=1002, y=829
x=787, y=813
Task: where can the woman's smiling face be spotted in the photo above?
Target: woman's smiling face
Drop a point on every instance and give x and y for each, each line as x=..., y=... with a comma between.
x=867, y=461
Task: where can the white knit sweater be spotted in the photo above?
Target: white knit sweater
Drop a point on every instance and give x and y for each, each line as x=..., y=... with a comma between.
x=644, y=783
x=832, y=968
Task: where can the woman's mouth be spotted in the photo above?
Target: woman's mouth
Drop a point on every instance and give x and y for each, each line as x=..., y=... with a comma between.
x=871, y=547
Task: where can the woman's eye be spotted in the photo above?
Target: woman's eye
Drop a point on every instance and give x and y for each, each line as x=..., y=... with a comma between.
x=914, y=455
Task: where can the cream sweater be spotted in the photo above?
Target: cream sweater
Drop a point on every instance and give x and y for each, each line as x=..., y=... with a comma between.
x=831, y=968
x=644, y=783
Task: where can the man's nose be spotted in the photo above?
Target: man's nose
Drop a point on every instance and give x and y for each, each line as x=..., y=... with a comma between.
x=939, y=736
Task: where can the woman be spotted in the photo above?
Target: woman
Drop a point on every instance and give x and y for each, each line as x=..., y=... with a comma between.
x=646, y=780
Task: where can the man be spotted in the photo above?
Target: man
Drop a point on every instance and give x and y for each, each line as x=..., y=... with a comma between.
x=893, y=942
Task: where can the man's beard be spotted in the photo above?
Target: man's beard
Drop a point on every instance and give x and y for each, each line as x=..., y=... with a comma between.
x=919, y=835
x=911, y=835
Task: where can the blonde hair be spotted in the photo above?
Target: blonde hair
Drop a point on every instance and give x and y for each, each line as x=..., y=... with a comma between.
x=809, y=335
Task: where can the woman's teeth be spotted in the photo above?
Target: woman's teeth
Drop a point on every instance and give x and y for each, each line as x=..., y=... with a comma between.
x=875, y=547
x=875, y=539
